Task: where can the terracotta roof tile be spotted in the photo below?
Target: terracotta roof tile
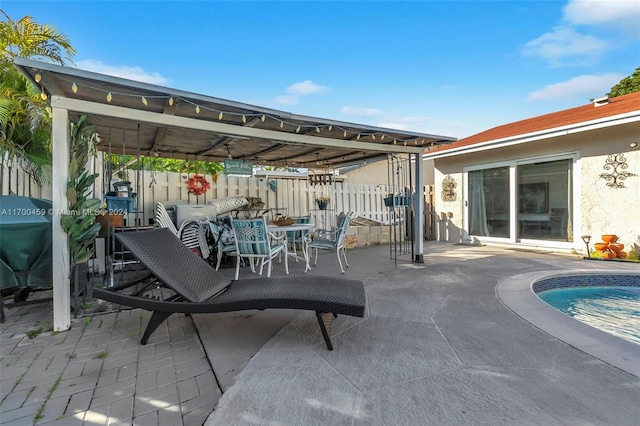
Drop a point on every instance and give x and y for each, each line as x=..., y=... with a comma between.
x=584, y=113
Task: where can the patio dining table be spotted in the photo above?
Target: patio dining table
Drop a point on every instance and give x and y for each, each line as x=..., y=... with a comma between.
x=306, y=238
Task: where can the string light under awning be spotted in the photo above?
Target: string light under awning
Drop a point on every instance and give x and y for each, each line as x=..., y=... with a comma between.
x=243, y=117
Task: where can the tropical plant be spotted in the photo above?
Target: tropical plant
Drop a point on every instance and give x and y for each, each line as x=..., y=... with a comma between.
x=122, y=163
x=29, y=39
x=80, y=221
x=627, y=85
x=25, y=126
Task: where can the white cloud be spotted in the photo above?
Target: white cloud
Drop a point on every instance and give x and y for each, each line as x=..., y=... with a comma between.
x=624, y=14
x=296, y=90
x=123, y=71
x=584, y=86
x=361, y=112
x=287, y=100
x=409, y=122
x=565, y=46
x=306, y=87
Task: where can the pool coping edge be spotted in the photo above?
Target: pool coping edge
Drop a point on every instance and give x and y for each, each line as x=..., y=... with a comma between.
x=517, y=294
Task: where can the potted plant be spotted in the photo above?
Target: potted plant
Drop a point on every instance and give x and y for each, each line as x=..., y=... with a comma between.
x=397, y=200
x=323, y=201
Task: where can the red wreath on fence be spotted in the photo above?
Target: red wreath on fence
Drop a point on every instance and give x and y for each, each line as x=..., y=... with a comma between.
x=198, y=184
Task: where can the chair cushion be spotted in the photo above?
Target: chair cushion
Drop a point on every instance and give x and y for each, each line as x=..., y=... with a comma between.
x=276, y=248
x=321, y=243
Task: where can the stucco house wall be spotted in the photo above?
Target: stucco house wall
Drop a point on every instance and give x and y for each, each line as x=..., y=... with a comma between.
x=597, y=208
x=377, y=173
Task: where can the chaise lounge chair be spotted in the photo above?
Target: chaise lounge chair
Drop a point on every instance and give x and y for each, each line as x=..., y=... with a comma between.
x=183, y=283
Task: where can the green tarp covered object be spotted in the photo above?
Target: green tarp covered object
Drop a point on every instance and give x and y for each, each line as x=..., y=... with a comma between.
x=25, y=242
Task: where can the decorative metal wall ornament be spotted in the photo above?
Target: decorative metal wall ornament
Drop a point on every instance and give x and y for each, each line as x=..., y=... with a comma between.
x=449, y=189
x=617, y=163
x=320, y=179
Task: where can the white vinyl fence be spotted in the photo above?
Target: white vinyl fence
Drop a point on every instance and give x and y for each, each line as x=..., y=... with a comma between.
x=294, y=197
x=14, y=180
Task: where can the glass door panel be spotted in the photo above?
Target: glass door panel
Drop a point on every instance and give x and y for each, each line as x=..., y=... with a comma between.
x=489, y=202
x=544, y=200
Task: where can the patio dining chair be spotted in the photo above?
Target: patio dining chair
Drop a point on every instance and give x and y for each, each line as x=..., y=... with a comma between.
x=333, y=240
x=295, y=238
x=220, y=246
x=255, y=243
x=191, y=232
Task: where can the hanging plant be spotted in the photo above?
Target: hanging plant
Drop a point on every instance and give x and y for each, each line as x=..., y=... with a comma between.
x=198, y=184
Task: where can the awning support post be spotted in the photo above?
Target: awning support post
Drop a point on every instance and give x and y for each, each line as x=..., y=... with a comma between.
x=419, y=211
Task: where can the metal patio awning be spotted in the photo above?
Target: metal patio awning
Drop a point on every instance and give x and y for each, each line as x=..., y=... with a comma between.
x=144, y=119
x=136, y=117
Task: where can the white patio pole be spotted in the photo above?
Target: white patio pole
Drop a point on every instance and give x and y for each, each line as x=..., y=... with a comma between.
x=419, y=211
x=60, y=245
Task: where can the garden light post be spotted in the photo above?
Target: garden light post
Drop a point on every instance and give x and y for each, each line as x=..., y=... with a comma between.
x=586, y=239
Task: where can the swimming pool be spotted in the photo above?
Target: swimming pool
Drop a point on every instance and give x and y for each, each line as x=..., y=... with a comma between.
x=520, y=294
x=615, y=310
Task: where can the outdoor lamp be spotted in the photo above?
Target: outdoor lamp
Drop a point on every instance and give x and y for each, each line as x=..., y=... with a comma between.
x=586, y=239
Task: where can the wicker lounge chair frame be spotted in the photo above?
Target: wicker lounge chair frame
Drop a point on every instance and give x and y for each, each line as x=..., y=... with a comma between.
x=181, y=282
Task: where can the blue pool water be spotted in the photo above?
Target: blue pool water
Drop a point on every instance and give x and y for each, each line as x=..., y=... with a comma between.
x=615, y=310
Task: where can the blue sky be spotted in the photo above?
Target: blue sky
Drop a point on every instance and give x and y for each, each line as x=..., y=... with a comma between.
x=451, y=68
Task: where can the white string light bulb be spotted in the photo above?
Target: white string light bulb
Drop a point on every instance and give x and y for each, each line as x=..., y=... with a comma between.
x=37, y=77
x=318, y=128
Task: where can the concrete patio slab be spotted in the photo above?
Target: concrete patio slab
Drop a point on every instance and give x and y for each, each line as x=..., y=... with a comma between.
x=436, y=346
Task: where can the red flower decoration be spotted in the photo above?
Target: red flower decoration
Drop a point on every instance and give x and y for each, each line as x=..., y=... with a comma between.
x=198, y=185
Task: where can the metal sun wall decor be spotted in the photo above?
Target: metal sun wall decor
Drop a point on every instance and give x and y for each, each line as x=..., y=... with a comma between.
x=449, y=189
x=617, y=164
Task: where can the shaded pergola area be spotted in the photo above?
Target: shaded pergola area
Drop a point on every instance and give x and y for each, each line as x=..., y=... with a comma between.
x=143, y=119
x=200, y=127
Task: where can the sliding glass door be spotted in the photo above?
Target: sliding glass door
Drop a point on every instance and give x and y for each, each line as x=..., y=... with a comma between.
x=522, y=200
